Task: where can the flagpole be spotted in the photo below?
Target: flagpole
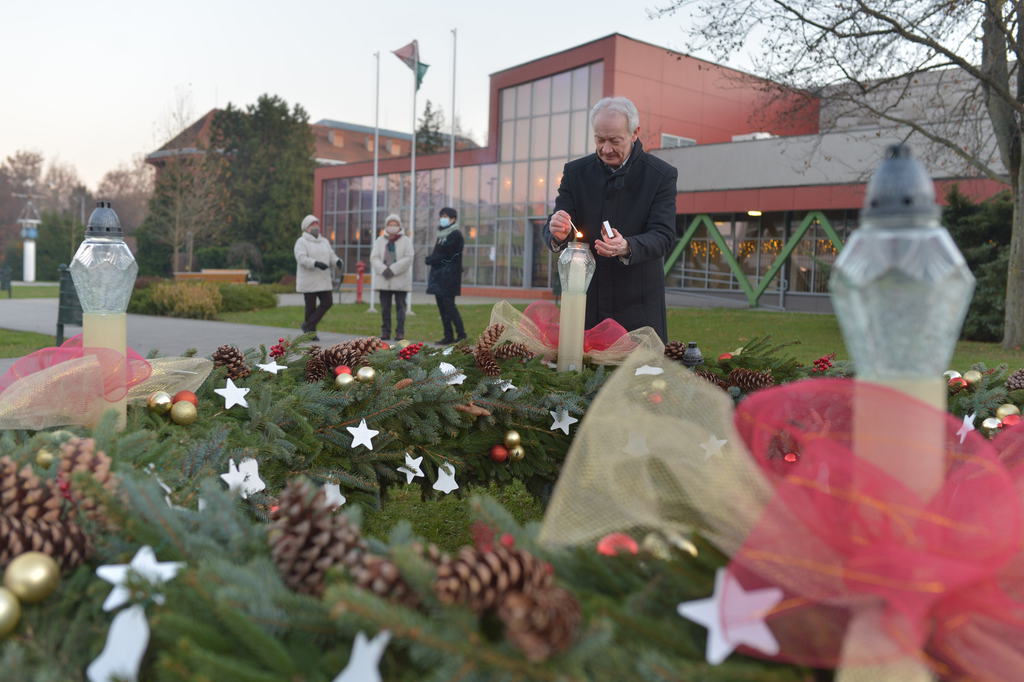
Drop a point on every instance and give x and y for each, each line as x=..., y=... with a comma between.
x=376, y=170
x=451, y=145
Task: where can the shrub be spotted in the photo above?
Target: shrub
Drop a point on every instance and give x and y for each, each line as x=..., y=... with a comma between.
x=242, y=297
x=196, y=300
x=212, y=256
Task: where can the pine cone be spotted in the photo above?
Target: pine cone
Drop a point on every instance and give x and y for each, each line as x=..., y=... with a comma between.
x=232, y=358
x=24, y=496
x=482, y=579
x=316, y=369
x=750, y=380
x=64, y=541
x=540, y=622
x=307, y=538
x=80, y=455
x=489, y=337
x=382, y=577
x=512, y=349
x=1015, y=382
x=485, y=361
x=675, y=350
x=350, y=353
x=712, y=378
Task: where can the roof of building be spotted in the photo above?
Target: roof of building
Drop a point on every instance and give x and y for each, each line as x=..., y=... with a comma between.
x=356, y=128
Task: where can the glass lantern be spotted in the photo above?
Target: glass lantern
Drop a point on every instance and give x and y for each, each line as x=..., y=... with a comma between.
x=576, y=267
x=104, y=274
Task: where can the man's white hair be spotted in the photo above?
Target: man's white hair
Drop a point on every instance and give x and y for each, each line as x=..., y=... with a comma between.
x=620, y=105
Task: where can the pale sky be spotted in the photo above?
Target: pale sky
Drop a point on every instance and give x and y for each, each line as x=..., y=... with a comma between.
x=94, y=83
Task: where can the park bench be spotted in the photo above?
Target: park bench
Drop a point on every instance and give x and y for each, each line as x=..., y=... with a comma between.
x=215, y=275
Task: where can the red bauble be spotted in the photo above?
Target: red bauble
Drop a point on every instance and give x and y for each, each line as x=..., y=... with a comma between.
x=384, y=345
x=499, y=453
x=342, y=369
x=617, y=543
x=186, y=395
x=791, y=457
x=655, y=398
x=1011, y=420
x=957, y=383
x=725, y=356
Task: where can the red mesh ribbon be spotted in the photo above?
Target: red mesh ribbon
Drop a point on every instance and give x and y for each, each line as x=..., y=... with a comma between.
x=117, y=375
x=841, y=535
x=545, y=315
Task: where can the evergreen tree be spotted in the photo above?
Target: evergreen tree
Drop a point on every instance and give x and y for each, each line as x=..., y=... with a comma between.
x=429, y=135
x=59, y=237
x=268, y=177
x=983, y=231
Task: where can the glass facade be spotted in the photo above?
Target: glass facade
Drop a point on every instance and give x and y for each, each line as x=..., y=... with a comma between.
x=755, y=243
x=502, y=207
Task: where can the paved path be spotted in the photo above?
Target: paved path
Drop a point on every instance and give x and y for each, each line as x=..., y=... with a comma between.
x=168, y=335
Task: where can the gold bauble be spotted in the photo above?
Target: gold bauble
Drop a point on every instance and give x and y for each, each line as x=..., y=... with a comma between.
x=1005, y=410
x=159, y=402
x=10, y=612
x=343, y=380
x=44, y=458
x=659, y=384
x=516, y=453
x=32, y=576
x=366, y=374
x=991, y=424
x=403, y=343
x=512, y=439
x=183, y=412
x=972, y=377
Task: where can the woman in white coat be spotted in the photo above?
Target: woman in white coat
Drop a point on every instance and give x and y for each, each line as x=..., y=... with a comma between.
x=315, y=262
x=391, y=261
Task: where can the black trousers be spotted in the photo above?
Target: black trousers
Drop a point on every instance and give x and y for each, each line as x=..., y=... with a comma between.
x=314, y=312
x=450, y=316
x=385, y=313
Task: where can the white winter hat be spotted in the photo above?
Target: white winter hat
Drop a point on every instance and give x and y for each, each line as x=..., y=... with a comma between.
x=309, y=220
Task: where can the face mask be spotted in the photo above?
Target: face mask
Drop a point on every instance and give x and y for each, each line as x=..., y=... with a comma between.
x=315, y=232
x=392, y=230
x=444, y=222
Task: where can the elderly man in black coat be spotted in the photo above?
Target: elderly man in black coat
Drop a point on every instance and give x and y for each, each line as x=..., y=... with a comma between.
x=636, y=193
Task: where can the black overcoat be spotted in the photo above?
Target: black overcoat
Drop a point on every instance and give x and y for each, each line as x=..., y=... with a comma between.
x=639, y=200
x=445, y=277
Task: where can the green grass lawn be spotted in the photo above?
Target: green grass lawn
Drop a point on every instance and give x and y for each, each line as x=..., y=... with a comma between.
x=15, y=344
x=41, y=291
x=715, y=330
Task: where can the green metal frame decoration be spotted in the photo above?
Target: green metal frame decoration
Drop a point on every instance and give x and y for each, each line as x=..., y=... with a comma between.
x=752, y=293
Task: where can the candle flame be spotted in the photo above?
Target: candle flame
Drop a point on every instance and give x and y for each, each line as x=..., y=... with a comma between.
x=579, y=235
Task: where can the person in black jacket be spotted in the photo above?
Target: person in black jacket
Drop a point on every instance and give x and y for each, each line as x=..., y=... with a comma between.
x=445, y=278
x=636, y=193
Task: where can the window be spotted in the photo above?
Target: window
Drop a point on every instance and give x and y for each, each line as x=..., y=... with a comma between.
x=336, y=138
x=674, y=141
x=369, y=144
x=396, y=148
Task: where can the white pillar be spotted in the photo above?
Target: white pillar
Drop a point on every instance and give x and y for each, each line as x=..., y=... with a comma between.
x=28, y=261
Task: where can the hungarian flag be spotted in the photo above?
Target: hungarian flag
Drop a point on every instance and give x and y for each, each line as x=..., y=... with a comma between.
x=410, y=54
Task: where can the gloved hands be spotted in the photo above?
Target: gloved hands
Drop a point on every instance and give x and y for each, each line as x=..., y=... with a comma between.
x=338, y=264
x=320, y=266
x=388, y=274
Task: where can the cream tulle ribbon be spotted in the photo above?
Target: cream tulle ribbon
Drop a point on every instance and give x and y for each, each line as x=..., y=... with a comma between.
x=67, y=393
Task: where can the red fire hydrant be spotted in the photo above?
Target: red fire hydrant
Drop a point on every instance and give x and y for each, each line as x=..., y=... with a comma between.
x=360, y=269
